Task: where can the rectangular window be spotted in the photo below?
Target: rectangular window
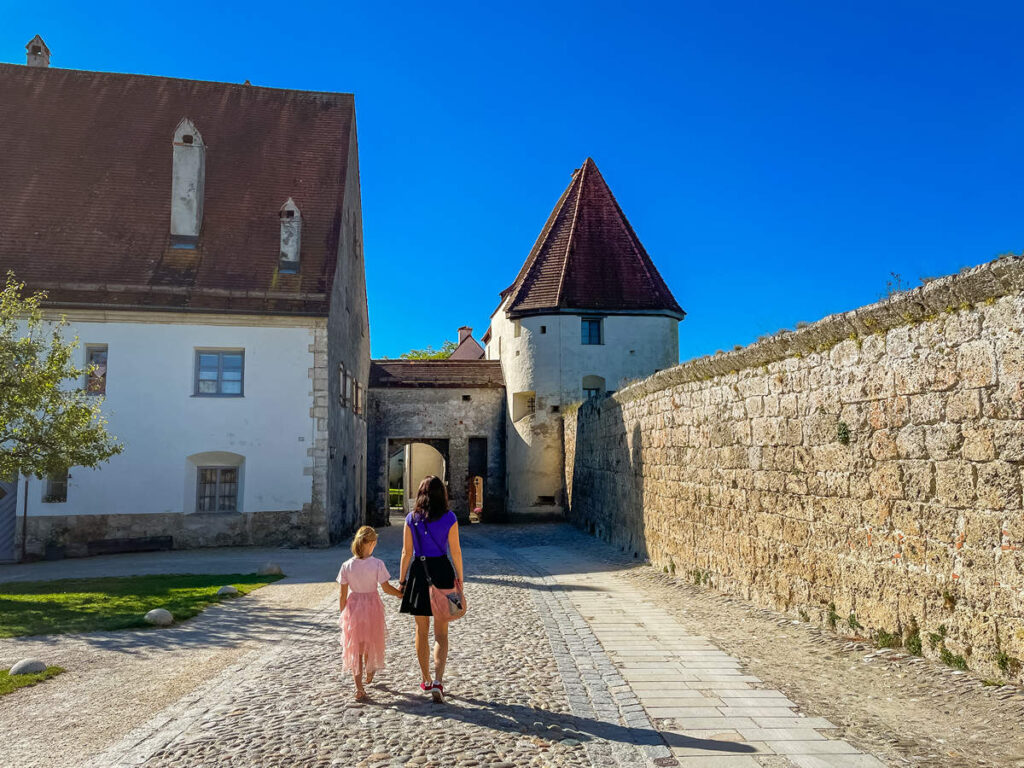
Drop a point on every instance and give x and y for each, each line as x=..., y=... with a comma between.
x=592, y=330
x=217, y=489
x=518, y=328
x=350, y=391
x=357, y=395
x=56, y=488
x=543, y=329
x=219, y=374
x=589, y=393
x=96, y=369
x=342, y=384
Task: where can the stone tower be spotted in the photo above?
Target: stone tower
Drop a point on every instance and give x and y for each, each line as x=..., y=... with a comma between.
x=587, y=313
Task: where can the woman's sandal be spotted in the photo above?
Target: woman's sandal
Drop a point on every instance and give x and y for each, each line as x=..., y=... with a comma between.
x=360, y=694
x=369, y=677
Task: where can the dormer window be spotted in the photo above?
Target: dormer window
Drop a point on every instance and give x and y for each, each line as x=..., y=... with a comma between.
x=188, y=181
x=37, y=50
x=291, y=237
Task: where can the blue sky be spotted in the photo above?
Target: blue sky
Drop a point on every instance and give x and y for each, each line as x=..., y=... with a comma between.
x=778, y=160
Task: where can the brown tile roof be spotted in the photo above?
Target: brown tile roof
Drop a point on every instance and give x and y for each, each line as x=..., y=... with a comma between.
x=468, y=349
x=468, y=374
x=86, y=190
x=588, y=257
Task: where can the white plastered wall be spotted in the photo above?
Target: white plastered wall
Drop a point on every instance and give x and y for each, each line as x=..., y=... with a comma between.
x=552, y=364
x=151, y=407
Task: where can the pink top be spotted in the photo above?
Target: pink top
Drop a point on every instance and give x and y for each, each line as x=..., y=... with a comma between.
x=363, y=575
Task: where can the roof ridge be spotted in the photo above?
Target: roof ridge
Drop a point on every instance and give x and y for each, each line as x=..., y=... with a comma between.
x=34, y=71
x=572, y=232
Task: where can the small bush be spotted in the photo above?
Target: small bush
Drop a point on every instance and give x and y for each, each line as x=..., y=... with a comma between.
x=804, y=616
x=912, y=641
x=852, y=621
x=951, y=659
x=843, y=433
x=1007, y=664
x=832, y=617
x=887, y=639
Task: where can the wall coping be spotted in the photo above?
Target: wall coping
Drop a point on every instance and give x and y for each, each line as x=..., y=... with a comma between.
x=1001, y=277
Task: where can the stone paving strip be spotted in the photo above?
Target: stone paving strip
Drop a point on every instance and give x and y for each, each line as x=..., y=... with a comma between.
x=707, y=710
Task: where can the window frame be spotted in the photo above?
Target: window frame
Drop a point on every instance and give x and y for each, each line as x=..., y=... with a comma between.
x=595, y=390
x=219, y=468
x=220, y=372
x=585, y=341
x=89, y=349
x=49, y=497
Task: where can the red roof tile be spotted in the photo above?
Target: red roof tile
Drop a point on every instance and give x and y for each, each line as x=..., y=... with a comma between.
x=467, y=374
x=588, y=257
x=86, y=190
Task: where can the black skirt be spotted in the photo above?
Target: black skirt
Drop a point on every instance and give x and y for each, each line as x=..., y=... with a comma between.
x=416, y=599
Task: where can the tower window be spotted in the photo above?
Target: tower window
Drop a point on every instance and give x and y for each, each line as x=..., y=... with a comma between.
x=523, y=404
x=591, y=330
x=543, y=329
x=186, y=139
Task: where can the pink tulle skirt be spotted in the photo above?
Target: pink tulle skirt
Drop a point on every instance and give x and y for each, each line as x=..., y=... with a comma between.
x=363, y=632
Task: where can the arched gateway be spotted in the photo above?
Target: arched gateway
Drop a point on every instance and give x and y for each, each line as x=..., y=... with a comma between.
x=457, y=408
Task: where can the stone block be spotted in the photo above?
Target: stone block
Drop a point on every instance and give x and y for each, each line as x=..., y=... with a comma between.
x=954, y=483
x=976, y=362
x=998, y=485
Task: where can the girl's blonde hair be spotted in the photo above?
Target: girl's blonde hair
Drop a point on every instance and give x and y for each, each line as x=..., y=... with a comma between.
x=363, y=535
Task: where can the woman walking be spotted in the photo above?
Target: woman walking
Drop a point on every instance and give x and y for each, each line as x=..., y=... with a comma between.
x=431, y=532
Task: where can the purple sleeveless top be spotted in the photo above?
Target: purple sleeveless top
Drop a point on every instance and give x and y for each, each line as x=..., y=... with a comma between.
x=438, y=529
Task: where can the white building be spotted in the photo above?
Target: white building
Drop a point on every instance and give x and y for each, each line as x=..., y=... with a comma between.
x=204, y=241
x=587, y=313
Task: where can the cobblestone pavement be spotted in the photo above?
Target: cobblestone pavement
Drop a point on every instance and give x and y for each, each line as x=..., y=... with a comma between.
x=571, y=655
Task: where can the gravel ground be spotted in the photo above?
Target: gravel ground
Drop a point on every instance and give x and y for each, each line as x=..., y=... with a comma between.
x=507, y=705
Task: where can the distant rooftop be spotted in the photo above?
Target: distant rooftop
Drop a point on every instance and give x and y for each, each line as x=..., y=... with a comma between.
x=444, y=374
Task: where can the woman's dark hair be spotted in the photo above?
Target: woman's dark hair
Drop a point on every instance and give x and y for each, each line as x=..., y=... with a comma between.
x=431, y=499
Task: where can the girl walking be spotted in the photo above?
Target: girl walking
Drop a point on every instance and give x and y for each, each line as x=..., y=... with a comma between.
x=431, y=531
x=363, y=630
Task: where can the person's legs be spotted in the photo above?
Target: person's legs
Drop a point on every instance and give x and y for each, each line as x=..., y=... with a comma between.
x=423, y=647
x=440, y=648
x=357, y=675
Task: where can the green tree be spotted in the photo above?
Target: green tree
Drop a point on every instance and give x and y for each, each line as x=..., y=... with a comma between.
x=430, y=353
x=45, y=425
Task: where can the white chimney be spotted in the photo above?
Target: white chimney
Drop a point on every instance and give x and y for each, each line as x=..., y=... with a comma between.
x=188, y=179
x=36, y=53
x=291, y=237
x=464, y=333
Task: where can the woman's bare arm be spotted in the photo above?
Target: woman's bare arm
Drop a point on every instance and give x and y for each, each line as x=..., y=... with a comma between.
x=456, y=549
x=403, y=570
x=342, y=597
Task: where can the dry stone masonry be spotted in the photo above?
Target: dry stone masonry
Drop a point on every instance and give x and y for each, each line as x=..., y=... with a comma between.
x=865, y=471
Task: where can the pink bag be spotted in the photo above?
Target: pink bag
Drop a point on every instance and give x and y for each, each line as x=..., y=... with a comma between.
x=447, y=604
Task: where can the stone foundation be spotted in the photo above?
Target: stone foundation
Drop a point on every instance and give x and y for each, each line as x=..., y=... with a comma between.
x=72, y=533
x=865, y=471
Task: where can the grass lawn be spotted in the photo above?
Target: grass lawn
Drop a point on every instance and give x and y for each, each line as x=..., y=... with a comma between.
x=10, y=682
x=89, y=605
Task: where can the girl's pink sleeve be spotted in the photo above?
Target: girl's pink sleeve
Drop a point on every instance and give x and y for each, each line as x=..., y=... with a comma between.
x=342, y=575
x=382, y=572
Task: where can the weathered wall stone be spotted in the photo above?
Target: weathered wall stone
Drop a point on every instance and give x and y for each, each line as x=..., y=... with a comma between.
x=872, y=461
x=71, y=534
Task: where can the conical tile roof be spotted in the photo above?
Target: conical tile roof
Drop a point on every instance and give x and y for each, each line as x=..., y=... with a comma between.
x=588, y=257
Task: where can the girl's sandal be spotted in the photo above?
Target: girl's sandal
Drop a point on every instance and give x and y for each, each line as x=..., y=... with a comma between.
x=369, y=677
x=360, y=694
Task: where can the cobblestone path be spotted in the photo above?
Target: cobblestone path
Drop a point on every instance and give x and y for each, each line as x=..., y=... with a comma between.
x=564, y=660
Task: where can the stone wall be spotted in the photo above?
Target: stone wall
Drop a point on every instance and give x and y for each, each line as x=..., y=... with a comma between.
x=69, y=535
x=864, y=470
